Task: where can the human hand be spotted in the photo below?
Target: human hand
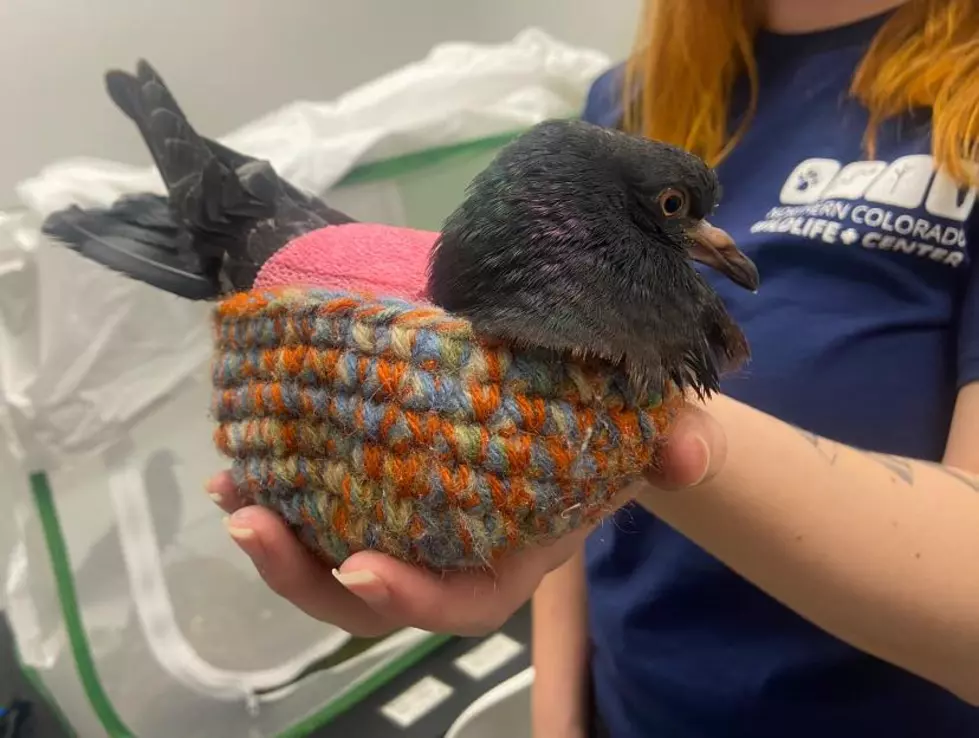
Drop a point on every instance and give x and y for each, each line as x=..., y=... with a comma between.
x=371, y=594
x=695, y=452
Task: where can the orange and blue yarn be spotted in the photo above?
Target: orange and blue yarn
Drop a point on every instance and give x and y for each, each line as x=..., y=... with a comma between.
x=374, y=423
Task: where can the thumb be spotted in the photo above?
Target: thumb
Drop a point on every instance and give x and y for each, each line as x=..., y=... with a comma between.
x=694, y=452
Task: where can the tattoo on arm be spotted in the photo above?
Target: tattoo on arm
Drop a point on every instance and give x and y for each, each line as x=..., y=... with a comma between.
x=904, y=469
x=901, y=468
x=826, y=448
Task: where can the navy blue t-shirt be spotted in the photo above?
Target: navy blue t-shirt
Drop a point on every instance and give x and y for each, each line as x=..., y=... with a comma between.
x=865, y=327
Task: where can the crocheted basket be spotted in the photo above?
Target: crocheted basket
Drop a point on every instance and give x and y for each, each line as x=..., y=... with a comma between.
x=373, y=423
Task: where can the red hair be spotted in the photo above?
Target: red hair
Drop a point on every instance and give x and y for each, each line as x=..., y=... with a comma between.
x=925, y=55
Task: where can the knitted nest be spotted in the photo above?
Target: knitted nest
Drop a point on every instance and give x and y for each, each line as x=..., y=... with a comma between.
x=372, y=423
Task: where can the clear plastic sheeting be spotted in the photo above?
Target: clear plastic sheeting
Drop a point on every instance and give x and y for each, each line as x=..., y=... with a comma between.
x=83, y=351
x=502, y=711
x=140, y=615
x=129, y=604
x=460, y=92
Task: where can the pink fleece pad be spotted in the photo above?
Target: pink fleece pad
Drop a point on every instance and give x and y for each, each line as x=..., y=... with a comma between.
x=360, y=257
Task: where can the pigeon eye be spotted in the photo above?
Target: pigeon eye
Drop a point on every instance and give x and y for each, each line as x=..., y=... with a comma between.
x=673, y=203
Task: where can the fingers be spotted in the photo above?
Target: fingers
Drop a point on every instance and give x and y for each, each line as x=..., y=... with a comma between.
x=295, y=574
x=289, y=569
x=372, y=593
x=695, y=452
x=462, y=603
x=221, y=489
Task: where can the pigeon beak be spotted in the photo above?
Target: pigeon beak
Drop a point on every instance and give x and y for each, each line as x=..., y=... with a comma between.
x=715, y=248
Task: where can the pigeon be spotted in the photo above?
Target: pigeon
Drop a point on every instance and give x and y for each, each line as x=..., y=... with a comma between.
x=576, y=238
x=581, y=239
x=224, y=215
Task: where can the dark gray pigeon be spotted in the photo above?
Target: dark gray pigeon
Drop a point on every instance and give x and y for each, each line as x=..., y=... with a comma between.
x=579, y=239
x=224, y=215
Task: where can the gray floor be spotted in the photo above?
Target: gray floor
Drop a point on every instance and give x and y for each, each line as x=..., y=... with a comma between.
x=364, y=720
x=42, y=722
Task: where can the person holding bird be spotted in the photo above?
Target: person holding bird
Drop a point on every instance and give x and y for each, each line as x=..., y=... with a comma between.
x=805, y=561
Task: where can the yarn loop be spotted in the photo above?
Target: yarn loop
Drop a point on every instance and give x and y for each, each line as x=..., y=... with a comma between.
x=377, y=423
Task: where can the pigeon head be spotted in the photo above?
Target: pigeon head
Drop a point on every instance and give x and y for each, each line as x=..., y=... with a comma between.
x=580, y=239
x=670, y=194
x=661, y=192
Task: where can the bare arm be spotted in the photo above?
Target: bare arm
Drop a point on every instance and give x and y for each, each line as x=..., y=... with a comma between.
x=962, y=449
x=560, y=652
x=881, y=551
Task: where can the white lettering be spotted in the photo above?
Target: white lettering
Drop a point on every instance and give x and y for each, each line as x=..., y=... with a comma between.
x=852, y=181
x=831, y=231
x=904, y=224
x=826, y=209
x=881, y=242
x=952, y=236
x=947, y=200
x=816, y=204
x=808, y=180
x=874, y=217
x=904, y=183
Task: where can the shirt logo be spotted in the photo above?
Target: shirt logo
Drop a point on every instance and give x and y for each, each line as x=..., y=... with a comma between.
x=905, y=206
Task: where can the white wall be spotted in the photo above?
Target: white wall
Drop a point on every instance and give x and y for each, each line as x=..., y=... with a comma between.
x=229, y=61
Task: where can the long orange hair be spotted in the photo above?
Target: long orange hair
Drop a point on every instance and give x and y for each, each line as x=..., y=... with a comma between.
x=689, y=53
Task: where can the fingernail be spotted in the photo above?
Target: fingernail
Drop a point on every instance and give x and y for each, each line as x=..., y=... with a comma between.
x=364, y=584
x=247, y=540
x=706, y=471
x=216, y=498
x=238, y=532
